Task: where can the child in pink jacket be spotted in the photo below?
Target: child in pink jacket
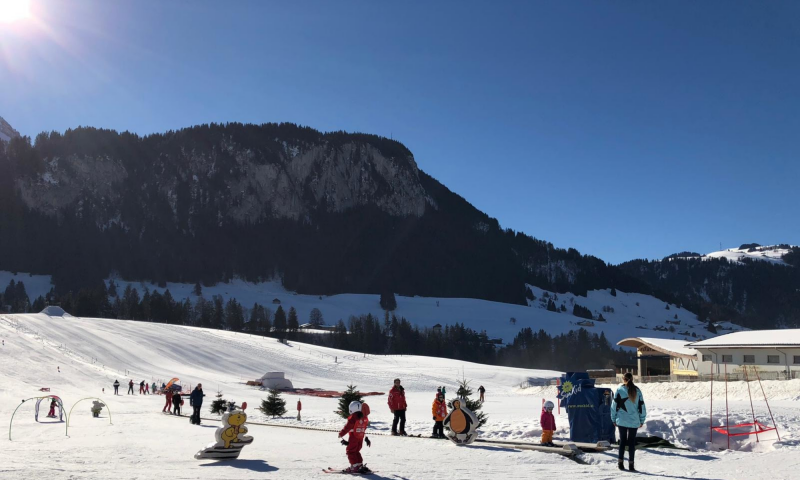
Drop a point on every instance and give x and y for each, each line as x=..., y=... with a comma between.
x=548, y=423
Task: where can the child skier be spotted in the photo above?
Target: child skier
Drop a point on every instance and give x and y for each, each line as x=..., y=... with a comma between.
x=52, y=412
x=176, y=403
x=548, y=423
x=356, y=426
x=439, y=410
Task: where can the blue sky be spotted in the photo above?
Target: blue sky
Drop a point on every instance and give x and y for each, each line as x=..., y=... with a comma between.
x=623, y=129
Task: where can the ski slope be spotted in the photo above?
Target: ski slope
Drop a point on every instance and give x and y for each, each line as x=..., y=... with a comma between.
x=142, y=442
x=626, y=314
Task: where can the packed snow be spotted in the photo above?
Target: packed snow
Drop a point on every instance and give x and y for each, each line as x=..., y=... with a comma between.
x=77, y=358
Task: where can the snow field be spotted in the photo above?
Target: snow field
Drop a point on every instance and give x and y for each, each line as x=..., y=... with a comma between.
x=143, y=443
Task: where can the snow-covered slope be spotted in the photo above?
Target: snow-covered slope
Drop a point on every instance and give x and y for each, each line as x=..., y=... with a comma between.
x=78, y=358
x=765, y=253
x=626, y=314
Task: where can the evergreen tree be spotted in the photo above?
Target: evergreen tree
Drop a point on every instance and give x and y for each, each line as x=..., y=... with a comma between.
x=292, y=324
x=551, y=306
x=273, y=405
x=198, y=290
x=220, y=405
x=464, y=391
x=112, y=288
x=388, y=302
x=280, y=322
x=349, y=395
x=710, y=327
x=613, y=292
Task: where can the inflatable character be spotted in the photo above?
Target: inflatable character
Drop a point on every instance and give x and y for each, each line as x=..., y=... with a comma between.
x=230, y=436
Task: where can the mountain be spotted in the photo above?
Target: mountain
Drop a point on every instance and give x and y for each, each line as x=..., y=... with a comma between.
x=7, y=132
x=325, y=213
x=755, y=286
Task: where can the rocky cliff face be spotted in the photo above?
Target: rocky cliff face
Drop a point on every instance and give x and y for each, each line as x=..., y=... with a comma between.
x=7, y=132
x=233, y=178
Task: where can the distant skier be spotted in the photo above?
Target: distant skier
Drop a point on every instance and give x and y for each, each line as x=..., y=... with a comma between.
x=299, y=407
x=154, y=389
x=356, y=427
x=548, y=424
x=168, y=401
x=147, y=389
x=397, y=404
x=141, y=387
x=52, y=412
x=628, y=415
x=116, y=387
x=196, y=401
x=176, y=403
x=439, y=409
x=130, y=387
x=481, y=391
x=59, y=369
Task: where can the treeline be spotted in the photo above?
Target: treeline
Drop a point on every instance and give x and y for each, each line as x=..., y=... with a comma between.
x=390, y=335
x=753, y=293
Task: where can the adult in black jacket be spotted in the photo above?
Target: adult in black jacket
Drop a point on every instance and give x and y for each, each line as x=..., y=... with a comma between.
x=116, y=387
x=176, y=403
x=196, y=401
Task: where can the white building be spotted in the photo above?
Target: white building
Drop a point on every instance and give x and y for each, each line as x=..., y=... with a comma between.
x=661, y=357
x=774, y=352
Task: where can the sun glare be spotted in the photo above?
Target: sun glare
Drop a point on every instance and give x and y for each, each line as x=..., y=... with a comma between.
x=13, y=10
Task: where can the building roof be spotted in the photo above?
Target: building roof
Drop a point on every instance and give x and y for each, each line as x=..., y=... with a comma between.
x=789, y=338
x=674, y=348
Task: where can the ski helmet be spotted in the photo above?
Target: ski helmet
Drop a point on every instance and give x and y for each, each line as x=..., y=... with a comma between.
x=355, y=406
x=548, y=405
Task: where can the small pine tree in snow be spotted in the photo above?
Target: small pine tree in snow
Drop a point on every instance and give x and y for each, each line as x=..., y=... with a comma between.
x=613, y=292
x=273, y=405
x=198, y=290
x=464, y=391
x=349, y=395
x=220, y=405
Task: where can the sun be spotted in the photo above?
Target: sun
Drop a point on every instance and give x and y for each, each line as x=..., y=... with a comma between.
x=13, y=10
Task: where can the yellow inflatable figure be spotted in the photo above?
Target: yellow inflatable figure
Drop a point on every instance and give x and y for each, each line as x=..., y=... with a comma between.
x=231, y=438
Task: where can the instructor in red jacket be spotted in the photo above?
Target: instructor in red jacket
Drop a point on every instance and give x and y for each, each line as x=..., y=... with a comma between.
x=397, y=404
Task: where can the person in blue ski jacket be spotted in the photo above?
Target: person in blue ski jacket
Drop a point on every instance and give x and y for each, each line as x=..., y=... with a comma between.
x=628, y=414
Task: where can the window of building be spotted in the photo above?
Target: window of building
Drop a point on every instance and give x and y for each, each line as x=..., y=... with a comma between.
x=727, y=359
x=773, y=359
x=749, y=359
x=796, y=359
x=707, y=358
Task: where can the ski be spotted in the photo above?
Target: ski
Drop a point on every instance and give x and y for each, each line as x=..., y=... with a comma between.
x=333, y=470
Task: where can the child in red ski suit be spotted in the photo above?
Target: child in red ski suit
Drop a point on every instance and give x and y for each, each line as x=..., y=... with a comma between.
x=548, y=423
x=356, y=426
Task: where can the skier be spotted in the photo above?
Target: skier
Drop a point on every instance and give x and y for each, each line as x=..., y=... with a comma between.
x=130, y=387
x=482, y=391
x=548, y=423
x=154, y=389
x=52, y=412
x=356, y=427
x=397, y=404
x=299, y=407
x=116, y=387
x=59, y=369
x=176, y=402
x=196, y=401
x=141, y=387
x=628, y=415
x=439, y=410
x=147, y=389
x=168, y=404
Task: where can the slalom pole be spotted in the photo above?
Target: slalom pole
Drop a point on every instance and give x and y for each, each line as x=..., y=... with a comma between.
x=711, y=411
x=727, y=420
x=747, y=381
x=768, y=408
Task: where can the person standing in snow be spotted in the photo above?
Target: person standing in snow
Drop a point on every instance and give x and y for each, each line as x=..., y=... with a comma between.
x=481, y=391
x=356, y=427
x=141, y=387
x=548, y=424
x=168, y=403
x=130, y=387
x=628, y=414
x=176, y=403
x=52, y=412
x=397, y=405
x=147, y=389
x=154, y=388
x=116, y=387
x=196, y=401
x=439, y=410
